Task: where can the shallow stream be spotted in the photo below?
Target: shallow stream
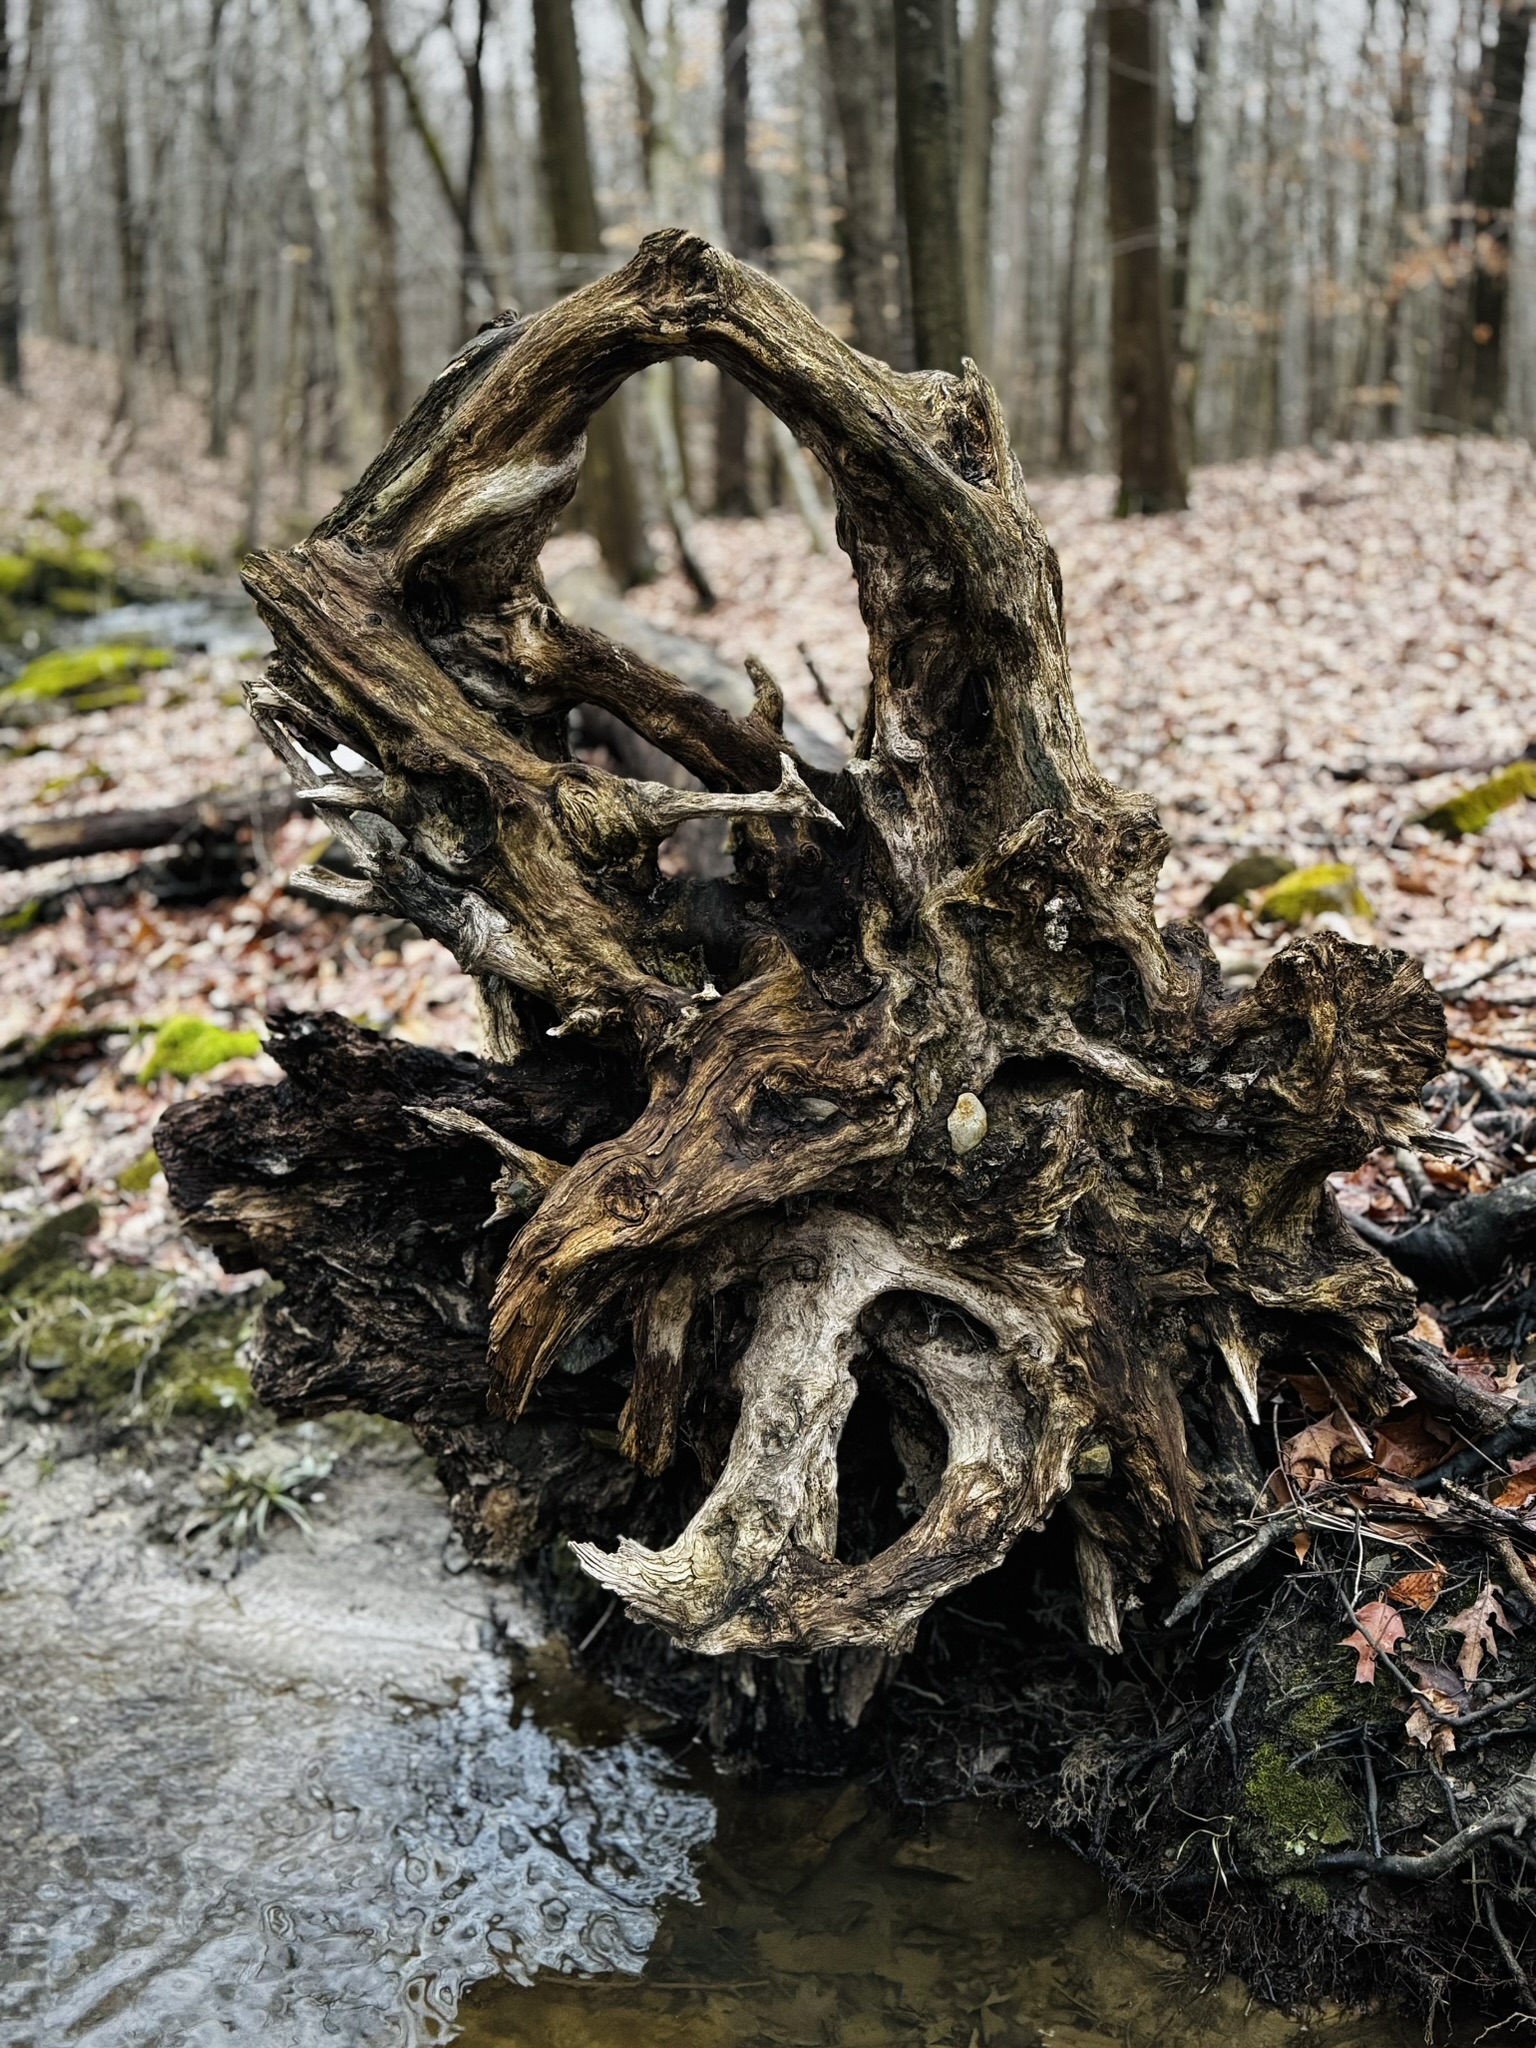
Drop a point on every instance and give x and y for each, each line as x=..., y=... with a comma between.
x=307, y=1805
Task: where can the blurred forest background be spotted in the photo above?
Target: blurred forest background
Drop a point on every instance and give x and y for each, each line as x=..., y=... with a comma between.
x=1229, y=227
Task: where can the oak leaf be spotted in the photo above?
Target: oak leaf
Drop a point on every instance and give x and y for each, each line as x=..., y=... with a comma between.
x=1419, y=1589
x=1379, y=1632
x=1475, y=1626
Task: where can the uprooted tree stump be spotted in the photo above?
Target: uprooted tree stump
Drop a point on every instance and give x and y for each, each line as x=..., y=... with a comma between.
x=918, y=1104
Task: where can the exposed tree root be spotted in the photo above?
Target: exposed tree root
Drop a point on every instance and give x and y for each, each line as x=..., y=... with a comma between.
x=835, y=1235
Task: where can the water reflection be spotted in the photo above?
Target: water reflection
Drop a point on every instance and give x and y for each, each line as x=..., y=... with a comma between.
x=821, y=1922
x=306, y=1808
x=302, y=1808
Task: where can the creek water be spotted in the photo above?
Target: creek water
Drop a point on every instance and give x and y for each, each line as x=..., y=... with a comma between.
x=309, y=1804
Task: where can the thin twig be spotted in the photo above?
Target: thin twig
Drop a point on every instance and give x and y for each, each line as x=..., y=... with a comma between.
x=1435, y=1862
x=1237, y=1561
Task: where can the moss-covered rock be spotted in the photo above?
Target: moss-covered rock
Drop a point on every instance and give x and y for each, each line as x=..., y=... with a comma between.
x=1245, y=878
x=134, y=1179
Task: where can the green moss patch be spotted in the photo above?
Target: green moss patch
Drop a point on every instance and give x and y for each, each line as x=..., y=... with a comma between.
x=1297, y=1813
x=1308, y=892
x=1473, y=808
x=82, y=678
x=124, y=1340
x=185, y=1046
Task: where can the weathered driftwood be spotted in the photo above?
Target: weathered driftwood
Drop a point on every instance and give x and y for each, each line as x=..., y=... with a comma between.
x=921, y=1088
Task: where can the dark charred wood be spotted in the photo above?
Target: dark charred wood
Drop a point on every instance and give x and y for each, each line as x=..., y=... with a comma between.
x=1452, y=1254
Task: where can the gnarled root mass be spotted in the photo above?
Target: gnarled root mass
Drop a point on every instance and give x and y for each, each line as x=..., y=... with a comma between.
x=917, y=1103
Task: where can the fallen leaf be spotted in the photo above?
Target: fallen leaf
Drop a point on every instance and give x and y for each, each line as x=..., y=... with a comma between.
x=1312, y=1391
x=1425, y=1327
x=1410, y=1442
x=1309, y=1456
x=1518, y=1492
x=1419, y=1589
x=1430, y=1734
x=1380, y=1631
x=1475, y=1625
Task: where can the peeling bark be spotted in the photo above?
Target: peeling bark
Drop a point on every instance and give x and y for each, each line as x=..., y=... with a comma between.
x=921, y=1091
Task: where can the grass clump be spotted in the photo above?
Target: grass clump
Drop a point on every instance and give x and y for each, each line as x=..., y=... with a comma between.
x=186, y=1046
x=245, y=1493
x=1308, y=892
x=1473, y=808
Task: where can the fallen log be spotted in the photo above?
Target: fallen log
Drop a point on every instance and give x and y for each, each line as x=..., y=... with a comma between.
x=882, y=1247
x=216, y=814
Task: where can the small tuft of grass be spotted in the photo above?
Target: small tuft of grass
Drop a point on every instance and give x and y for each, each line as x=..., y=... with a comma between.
x=243, y=1494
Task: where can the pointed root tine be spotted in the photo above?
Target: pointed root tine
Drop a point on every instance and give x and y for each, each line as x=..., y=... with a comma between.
x=347, y=892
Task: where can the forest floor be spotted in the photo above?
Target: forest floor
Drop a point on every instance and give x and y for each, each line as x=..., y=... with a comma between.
x=1320, y=649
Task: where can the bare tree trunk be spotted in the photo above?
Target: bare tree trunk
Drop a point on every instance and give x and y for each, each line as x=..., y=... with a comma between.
x=1151, y=467
x=132, y=326
x=1067, y=346
x=218, y=175
x=388, y=351
x=746, y=234
x=1396, y=413
x=40, y=61
x=1472, y=364
x=12, y=81
x=979, y=107
x=863, y=80
x=610, y=498
x=928, y=140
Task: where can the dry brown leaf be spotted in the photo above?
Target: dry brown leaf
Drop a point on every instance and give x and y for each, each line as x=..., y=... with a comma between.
x=1517, y=1493
x=1475, y=1626
x=1411, y=1442
x=1379, y=1632
x=1430, y=1734
x=1419, y=1589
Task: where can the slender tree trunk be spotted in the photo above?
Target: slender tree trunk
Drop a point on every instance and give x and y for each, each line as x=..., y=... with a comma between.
x=1473, y=359
x=388, y=350
x=746, y=234
x=216, y=205
x=1188, y=281
x=979, y=105
x=928, y=138
x=1068, y=344
x=132, y=331
x=40, y=65
x=863, y=79
x=610, y=499
x=1396, y=412
x=1151, y=469
x=11, y=83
